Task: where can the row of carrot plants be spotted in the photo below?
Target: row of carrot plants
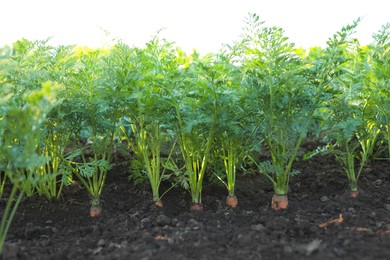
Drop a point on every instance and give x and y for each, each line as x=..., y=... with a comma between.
x=64, y=110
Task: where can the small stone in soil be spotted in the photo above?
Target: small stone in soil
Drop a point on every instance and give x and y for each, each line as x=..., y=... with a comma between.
x=163, y=220
x=174, y=222
x=312, y=246
x=101, y=242
x=193, y=224
x=97, y=250
x=352, y=211
x=378, y=182
x=324, y=199
x=387, y=207
x=145, y=220
x=258, y=227
x=111, y=246
x=45, y=243
x=245, y=238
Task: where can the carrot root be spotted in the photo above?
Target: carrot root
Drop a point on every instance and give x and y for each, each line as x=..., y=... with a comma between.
x=354, y=194
x=95, y=211
x=279, y=202
x=159, y=204
x=196, y=207
x=231, y=201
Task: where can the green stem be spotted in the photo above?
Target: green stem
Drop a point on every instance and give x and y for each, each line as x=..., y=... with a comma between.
x=3, y=178
x=8, y=216
x=147, y=149
x=388, y=134
x=286, y=180
x=353, y=185
x=230, y=161
x=204, y=165
x=351, y=168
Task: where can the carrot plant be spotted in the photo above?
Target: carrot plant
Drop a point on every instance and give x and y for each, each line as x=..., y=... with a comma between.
x=33, y=64
x=195, y=102
x=139, y=74
x=21, y=117
x=287, y=93
x=231, y=152
x=354, y=136
x=231, y=132
x=280, y=100
x=351, y=122
x=379, y=71
x=91, y=110
x=54, y=174
x=55, y=136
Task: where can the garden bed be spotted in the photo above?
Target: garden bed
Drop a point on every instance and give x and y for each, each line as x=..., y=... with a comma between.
x=131, y=228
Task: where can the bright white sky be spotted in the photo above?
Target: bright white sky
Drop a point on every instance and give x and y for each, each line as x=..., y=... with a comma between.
x=201, y=24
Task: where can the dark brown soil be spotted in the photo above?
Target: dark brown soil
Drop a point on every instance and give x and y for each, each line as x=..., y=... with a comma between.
x=132, y=228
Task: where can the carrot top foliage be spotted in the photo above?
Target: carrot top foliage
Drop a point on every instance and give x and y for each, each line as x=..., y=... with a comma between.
x=65, y=110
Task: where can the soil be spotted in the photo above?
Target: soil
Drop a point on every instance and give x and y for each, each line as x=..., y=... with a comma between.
x=322, y=221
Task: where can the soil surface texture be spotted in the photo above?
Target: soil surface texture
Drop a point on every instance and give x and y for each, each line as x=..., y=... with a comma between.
x=322, y=221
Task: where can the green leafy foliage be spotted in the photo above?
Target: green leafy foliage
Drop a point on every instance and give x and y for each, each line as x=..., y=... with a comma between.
x=148, y=111
x=351, y=116
x=92, y=108
x=205, y=116
x=183, y=116
x=233, y=132
x=279, y=95
x=33, y=64
x=378, y=71
x=21, y=117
